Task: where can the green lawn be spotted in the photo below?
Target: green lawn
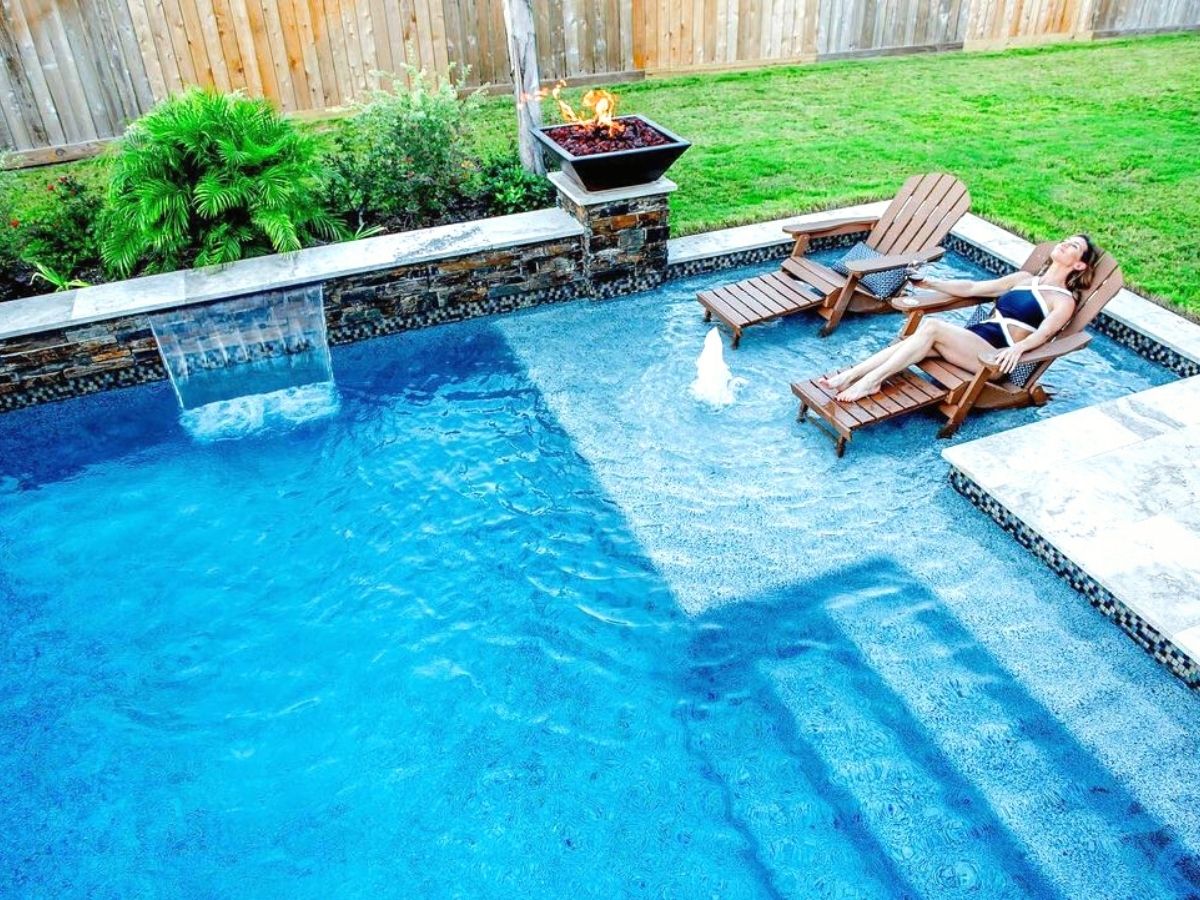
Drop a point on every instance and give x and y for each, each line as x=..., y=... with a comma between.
x=1103, y=138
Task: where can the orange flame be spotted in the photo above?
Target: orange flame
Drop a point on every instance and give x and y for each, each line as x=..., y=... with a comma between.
x=603, y=105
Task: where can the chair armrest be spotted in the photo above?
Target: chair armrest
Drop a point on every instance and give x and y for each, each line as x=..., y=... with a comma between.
x=847, y=226
x=935, y=301
x=1057, y=347
x=1052, y=349
x=898, y=261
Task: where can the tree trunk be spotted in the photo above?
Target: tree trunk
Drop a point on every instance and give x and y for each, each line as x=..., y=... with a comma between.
x=522, y=54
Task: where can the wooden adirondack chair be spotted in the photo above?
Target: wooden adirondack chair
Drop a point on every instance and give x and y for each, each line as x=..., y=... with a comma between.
x=953, y=390
x=910, y=230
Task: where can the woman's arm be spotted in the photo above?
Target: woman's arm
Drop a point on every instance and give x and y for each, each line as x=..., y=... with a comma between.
x=1061, y=311
x=963, y=287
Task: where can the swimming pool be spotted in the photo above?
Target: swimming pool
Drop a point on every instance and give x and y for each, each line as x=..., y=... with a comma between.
x=523, y=617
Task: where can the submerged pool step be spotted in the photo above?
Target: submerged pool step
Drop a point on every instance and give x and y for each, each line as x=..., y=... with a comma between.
x=1084, y=831
x=942, y=841
x=801, y=843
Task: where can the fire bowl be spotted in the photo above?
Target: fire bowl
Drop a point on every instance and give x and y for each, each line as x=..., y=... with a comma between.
x=619, y=168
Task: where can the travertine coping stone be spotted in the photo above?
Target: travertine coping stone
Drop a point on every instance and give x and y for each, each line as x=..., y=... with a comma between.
x=581, y=197
x=697, y=247
x=1109, y=497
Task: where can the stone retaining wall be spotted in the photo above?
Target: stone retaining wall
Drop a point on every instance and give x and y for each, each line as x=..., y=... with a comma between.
x=622, y=247
x=625, y=244
x=68, y=362
x=62, y=363
x=385, y=302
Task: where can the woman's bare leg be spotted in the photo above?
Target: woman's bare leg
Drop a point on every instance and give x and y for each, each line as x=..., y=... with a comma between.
x=952, y=343
x=858, y=370
x=913, y=348
x=889, y=356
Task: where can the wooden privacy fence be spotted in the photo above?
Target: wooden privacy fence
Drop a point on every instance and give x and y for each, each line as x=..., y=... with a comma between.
x=77, y=71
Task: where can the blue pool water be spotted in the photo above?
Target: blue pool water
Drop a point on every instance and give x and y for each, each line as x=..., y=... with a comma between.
x=521, y=617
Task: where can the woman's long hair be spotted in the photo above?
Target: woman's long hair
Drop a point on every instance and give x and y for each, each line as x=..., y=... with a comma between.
x=1080, y=280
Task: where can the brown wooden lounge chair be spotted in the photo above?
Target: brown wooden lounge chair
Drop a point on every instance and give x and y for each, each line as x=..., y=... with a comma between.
x=955, y=391
x=910, y=230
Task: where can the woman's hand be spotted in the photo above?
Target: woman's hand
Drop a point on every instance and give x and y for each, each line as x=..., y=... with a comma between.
x=1006, y=360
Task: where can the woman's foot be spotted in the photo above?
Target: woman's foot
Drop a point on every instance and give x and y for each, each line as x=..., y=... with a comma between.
x=857, y=391
x=835, y=381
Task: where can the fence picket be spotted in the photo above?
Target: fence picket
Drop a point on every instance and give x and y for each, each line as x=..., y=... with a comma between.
x=75, y=71
x=26, y=124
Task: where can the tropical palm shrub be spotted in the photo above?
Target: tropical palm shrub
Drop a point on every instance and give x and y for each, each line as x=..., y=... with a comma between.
x=402, y=157
x=208, y=178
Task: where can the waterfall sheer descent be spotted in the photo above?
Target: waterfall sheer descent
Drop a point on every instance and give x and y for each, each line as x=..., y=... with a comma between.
x=240, y=364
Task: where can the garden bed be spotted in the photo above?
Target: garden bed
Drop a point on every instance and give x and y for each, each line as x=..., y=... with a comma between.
x=208, y=178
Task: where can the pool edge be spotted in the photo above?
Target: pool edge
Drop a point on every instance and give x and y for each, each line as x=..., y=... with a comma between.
x=1145, y=635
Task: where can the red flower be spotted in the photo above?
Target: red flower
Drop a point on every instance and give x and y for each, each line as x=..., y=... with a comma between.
x=14, y=223
x=50, y=187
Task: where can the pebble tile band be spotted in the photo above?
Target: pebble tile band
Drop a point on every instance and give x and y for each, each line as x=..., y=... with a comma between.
x=1130, y=622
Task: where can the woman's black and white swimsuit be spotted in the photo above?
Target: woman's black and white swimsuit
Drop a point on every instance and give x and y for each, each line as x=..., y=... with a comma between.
x=1024, y=307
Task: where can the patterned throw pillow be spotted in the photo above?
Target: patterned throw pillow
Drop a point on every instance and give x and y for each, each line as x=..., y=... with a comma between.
x=881, y=284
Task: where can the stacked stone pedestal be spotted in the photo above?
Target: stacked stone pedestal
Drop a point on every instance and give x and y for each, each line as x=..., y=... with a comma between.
x=625, y=233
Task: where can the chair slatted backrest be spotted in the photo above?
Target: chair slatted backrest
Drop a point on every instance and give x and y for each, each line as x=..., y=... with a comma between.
x=1038, y=258
x=1107, y=282
x=921, y=215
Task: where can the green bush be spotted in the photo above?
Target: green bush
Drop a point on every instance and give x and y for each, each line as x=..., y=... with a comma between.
x=8, y=219
x=401, y=159
x=58, y=228
x=9, y=254
x=14, y=274
x=208, y=178
x=504, y=186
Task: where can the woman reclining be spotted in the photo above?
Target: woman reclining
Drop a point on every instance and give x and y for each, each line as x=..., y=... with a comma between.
x=1030, y=310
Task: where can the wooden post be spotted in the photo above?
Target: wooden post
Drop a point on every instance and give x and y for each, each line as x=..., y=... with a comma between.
x=522, y=55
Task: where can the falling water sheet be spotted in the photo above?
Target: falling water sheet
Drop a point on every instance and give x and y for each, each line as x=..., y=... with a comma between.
x=257, y=344
x=249, y=363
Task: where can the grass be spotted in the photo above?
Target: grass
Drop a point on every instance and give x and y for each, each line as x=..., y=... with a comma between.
x=1102, y=138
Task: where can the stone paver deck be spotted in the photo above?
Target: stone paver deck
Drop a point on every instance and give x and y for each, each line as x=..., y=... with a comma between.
x=1116, y=489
